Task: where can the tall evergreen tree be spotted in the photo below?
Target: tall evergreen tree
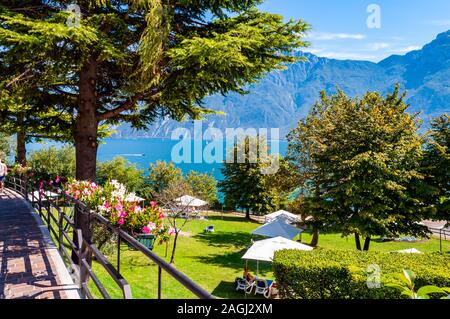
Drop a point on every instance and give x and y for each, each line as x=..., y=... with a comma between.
x=135, y=60
x=361, y=159
x=436, y=166
x=29, y=115
x=245, y=186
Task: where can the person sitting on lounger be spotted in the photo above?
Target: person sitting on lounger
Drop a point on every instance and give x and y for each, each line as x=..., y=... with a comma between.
x=247, y=275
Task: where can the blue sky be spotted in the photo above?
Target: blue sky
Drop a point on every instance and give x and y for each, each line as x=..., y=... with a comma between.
x=340, y=26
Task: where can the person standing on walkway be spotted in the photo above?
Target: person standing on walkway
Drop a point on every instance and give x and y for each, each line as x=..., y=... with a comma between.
x=3, y=173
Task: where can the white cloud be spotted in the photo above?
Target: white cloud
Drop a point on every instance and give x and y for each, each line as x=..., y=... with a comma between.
x=349, y=56
x=378, y=46
x=406, y=49
x=314, y=51
x=325, y=36
x=439, y=23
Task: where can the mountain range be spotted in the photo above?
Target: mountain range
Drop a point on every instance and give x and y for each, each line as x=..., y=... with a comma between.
x=283, y=97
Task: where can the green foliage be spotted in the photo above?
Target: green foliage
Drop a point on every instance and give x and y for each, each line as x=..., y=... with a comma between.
x=436, y=167
x=246, y=184
x=359, y=162
x=5, y=147
x=147, y=58
x=204, y=186
x=121, y=170
x=336, y=274
x=50, y=162
x=406, y=286
x=161, y=175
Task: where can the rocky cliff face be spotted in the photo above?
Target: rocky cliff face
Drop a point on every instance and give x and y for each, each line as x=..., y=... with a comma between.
x=283, y=97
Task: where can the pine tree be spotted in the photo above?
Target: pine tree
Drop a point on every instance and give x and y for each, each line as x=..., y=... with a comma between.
x=136, y=60
x=29, y=115
x=245, y=184
x=139, y=59
x=436, y=166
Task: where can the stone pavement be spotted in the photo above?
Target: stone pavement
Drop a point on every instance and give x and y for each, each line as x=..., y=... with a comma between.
x=30, y=264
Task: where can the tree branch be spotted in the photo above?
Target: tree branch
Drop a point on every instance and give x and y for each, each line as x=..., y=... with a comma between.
x=122, y=108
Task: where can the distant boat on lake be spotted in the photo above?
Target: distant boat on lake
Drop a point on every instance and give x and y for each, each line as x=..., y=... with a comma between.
x=135, y=155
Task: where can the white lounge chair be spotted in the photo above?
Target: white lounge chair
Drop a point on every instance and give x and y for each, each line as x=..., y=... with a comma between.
x=262, y=287
x=209, y=229
x=242, y=284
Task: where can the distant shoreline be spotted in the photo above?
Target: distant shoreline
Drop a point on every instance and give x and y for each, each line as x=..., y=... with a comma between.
x=169, y=139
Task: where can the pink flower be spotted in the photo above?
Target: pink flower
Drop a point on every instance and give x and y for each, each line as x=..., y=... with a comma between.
x=151, y=226
x=138, y=209
x=41, y=185
x=119, y=207
x=171, y=231
x=122, y=214
x=146, y=230
x=121, y=221
x=58, y=179
x=162, y=215
x=153, y=204
x=106, y=205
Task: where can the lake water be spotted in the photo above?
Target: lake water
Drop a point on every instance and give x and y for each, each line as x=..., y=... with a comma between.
x=144, y=151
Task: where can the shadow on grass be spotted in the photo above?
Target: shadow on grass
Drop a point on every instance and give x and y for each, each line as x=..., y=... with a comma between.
x=232, y=219
x=238, y=239
x=227, y=290
x=234, y=261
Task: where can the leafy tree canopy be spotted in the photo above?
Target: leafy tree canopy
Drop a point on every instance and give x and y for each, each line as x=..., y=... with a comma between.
x=360, y=158
x=121, y=170
x=436, y=166
x=248, y=184
x=203, y=186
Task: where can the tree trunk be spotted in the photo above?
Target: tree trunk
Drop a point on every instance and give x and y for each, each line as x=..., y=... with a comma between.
x=357, y=241
x=247, y=213
x=367, y=243
x=85, y=135
x=315, y=237
x=86, y=124
x=21, y=154
x=172, y=257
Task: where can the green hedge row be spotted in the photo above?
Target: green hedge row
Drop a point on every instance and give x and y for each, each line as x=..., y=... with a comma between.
x=334, y=274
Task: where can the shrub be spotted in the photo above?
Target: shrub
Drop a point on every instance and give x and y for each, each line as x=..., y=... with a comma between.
x=330, y=274
x=49, y=163
x=204, y=186
x=121, y=170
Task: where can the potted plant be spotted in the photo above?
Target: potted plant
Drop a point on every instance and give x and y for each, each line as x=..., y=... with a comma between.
x=146, y=224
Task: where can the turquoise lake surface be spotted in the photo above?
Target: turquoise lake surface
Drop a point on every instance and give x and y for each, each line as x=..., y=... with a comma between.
x=144, y=151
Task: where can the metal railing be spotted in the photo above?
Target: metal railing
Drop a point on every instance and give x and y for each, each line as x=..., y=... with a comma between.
x=57, y=212
x=443, y=233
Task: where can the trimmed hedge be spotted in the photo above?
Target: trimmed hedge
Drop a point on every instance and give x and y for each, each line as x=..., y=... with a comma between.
x=335, y=274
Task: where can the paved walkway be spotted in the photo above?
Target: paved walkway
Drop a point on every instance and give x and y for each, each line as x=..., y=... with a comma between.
x=30, y=264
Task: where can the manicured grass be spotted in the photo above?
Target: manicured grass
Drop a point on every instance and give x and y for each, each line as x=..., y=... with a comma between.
x=213, y=260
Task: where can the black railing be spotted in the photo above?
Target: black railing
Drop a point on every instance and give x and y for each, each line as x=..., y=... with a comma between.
x=64, y=206
x=443, y=233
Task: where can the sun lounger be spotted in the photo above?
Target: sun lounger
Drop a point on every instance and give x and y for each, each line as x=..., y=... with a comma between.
x=242, y=284
x=262, y=287
x=209, y=229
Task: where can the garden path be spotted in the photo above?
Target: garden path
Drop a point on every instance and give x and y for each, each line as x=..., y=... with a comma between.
x=30, y=264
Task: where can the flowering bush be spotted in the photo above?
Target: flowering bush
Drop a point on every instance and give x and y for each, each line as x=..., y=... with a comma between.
x=120, y=208
x=19, y=170
x=84, y=191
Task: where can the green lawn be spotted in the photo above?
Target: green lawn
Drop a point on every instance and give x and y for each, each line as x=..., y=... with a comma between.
x=213, y=260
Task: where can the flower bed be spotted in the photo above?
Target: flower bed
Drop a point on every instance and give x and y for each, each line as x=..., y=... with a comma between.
x=118, y=206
